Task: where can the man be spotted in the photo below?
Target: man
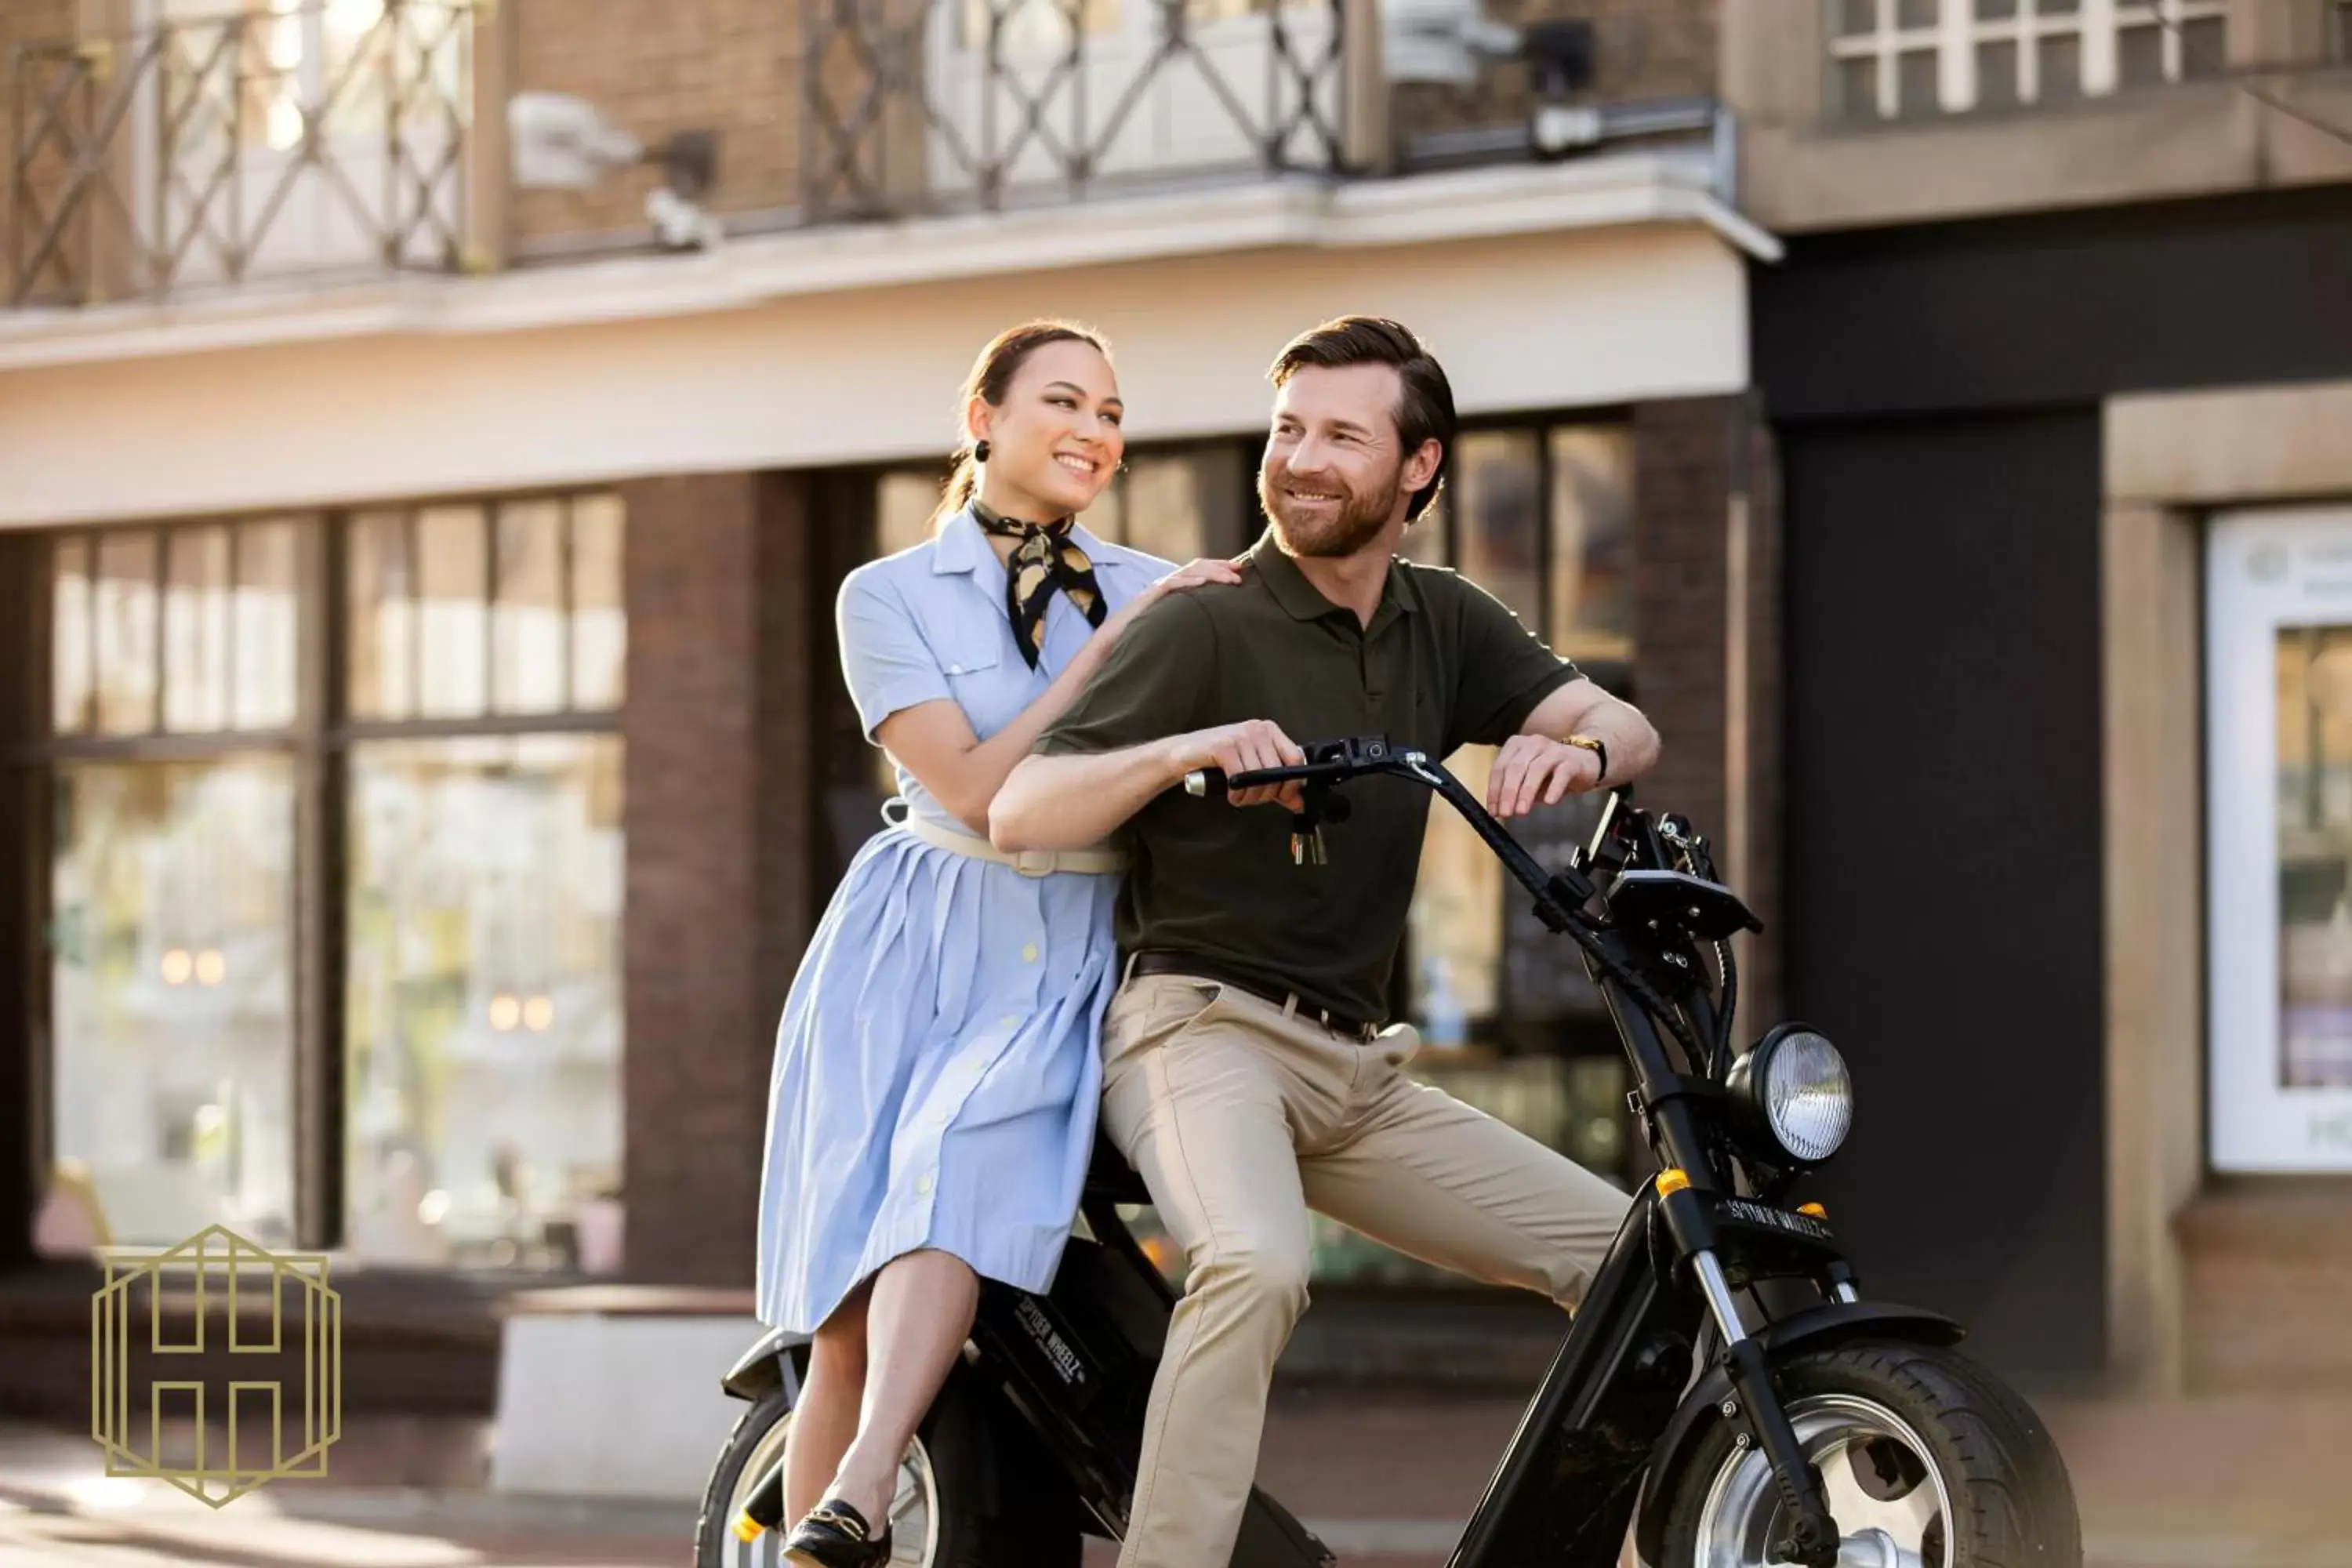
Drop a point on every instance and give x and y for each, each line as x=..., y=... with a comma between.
x=1245, y=1074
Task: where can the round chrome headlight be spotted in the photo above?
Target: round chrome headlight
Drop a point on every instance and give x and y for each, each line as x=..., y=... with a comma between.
x=1797, y=1087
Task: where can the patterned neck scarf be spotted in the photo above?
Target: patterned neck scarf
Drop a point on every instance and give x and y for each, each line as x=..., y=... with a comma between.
x=1045, y=559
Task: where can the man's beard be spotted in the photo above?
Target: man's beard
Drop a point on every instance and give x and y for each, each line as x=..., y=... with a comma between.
x=1328, y=532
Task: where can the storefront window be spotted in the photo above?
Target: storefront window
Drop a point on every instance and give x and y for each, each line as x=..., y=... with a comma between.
x=483, y=1008
x=478, y=874
x=172, y=984
x=1541, y=518
x=482, y=1012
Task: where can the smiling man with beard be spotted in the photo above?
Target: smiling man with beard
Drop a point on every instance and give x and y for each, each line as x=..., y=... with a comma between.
x=1247, y=1074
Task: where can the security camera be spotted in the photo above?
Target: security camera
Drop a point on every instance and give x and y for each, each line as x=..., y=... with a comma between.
x=1441, y=41
x=680, y=224
x=564, y=143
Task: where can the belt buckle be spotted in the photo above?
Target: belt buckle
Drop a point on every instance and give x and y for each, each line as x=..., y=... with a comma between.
x=1033, y=862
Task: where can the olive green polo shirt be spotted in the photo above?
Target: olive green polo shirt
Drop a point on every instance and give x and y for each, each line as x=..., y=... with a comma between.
x=1443, y=665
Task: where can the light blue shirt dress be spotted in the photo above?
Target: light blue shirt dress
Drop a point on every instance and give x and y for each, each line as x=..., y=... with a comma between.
x=939, y=1061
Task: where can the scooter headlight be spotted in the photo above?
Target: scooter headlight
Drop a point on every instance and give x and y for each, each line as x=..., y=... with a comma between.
x=1796, y=1085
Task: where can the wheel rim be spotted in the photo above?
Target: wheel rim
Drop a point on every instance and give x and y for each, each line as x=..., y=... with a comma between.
x=914, y=1510
x=1890, y=1502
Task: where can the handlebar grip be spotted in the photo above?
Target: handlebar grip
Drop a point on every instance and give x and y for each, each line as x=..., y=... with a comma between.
x=1205, y=783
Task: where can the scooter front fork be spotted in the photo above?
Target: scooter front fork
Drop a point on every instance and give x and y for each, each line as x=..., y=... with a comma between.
x=1813, y=1538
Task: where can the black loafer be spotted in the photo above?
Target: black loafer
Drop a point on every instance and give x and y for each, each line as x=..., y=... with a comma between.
x=835, y=1535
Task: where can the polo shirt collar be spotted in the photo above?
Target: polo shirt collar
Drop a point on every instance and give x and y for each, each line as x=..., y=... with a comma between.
x=1399, y=595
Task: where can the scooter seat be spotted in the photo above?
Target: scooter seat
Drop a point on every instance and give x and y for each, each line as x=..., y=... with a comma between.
x=1111, y=1176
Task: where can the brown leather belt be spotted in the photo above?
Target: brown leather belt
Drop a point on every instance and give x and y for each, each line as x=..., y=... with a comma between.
x=1163, y=961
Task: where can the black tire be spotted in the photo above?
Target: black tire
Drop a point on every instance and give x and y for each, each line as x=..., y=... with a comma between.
x=2011, y=1505
x=953, y=1442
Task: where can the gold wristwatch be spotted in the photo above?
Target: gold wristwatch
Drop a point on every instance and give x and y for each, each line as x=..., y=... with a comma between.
x=1596, y=746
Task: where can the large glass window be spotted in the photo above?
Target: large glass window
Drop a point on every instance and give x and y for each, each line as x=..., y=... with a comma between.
x=1541, y=517
x=471, y=837
x=484, y=1007
x=172, y=993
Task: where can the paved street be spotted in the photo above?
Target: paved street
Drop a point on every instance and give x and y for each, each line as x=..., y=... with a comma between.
x=2238, y=1483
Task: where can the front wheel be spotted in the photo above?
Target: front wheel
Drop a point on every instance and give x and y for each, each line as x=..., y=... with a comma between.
x=1928, y=1462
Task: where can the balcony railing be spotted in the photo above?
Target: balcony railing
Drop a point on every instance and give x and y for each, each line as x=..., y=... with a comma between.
x=320, y=139
x=911, y=106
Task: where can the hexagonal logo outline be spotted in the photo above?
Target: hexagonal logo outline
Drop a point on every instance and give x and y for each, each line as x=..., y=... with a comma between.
x=321, y=1346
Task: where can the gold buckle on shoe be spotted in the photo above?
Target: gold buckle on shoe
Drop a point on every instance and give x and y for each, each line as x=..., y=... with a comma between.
x=848, y=1524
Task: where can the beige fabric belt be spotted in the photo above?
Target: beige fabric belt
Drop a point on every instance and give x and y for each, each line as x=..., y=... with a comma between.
x=1028, y=862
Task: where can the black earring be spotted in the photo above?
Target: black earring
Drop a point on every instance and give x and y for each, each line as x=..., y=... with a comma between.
x=980, y=452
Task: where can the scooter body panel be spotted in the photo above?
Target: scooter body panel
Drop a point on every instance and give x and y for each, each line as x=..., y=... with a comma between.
x=1565, y=1490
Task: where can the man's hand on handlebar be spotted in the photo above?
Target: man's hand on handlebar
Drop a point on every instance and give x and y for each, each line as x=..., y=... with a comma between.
x=1535, y=769
x=1244, y=748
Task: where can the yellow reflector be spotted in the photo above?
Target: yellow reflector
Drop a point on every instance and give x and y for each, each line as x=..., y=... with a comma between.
x=1671, y=1180
x=1813, y=1209
x=749, y=1529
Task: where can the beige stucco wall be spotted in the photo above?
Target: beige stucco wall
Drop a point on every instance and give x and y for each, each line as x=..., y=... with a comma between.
x=1559, y=320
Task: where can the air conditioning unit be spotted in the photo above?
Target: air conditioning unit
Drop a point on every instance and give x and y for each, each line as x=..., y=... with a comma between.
x=1441, y=41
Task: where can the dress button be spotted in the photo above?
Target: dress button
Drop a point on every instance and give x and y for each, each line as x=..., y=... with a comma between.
x=1029, y=953
x=924, y=1184
x=1010, y=1019
x=955, y=669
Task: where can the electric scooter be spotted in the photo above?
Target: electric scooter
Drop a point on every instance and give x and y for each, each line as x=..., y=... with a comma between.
x=1684, y=1422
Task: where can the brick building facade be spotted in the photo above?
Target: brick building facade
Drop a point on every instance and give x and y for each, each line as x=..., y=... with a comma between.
x=450, y=451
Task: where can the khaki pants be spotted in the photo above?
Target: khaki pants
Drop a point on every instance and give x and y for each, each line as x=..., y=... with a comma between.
x=1240, y=1117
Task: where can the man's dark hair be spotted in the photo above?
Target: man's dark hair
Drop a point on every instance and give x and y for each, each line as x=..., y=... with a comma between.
x=1425, y=410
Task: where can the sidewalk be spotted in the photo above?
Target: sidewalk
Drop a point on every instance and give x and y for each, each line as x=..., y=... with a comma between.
x=2236, y=1483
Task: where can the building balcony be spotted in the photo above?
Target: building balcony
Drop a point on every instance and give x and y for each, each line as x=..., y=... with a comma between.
x=202, y=151
x=296, y=144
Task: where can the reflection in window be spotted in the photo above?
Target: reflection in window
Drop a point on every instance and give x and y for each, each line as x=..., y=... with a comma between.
x=269, y=573
x=600, y=625
x=528, y=658
x=904, y=501
x=484, y=1001
x=124, y=605
x=452, y=612
x=462, y=611
x=72, y=635
x=1592, y=543
x=195, y=629
x=172, y=994
x=382, y=610
x=1543, y=520
x=1455, y=926
x=2314, y=828
x=1028, y=27
x=1499, y=518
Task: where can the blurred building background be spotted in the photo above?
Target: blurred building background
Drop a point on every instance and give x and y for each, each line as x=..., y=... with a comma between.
x=424, y=497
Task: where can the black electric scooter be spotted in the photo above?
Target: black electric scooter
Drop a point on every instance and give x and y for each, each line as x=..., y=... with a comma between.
x=1682, y=1414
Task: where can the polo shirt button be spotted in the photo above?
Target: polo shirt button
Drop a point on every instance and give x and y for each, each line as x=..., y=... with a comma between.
x=1010, y=1020
x=923, y=1185
x=955, y=669
x=1029, y=953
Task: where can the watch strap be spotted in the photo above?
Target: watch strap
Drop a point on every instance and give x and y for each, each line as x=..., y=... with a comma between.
x=1598, y=747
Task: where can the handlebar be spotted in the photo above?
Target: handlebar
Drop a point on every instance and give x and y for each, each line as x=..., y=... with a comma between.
x=1560, y=897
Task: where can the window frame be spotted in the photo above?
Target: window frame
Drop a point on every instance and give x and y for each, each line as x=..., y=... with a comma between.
x=2098, y=27
x=318, y=744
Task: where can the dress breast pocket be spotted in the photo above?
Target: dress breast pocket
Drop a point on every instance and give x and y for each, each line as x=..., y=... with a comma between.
x=989, y=682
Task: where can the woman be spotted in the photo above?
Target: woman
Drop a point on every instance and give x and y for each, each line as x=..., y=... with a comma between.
x=944, y=1025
